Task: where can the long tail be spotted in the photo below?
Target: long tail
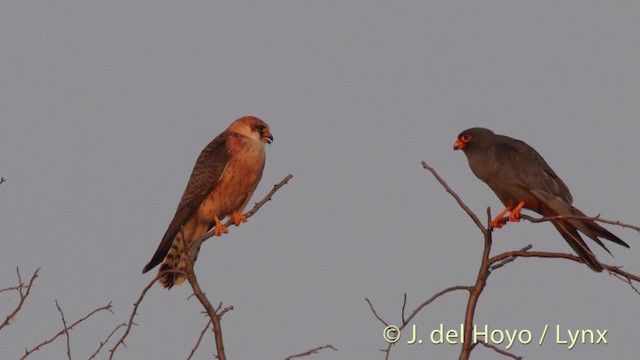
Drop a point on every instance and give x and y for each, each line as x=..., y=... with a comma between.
x=595, y=231
x=569, y=231
x=574, y=240
x=176, y=259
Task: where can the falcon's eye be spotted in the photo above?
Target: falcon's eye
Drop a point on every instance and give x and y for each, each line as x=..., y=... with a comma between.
x=465, y=138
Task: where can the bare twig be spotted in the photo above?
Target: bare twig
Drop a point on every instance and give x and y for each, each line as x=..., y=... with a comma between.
x=474, y=295
x=103, y=343
x=492, y=263
x=213, y=315
x=404, y=304
x=624, y=277
x=474, y=291
x=23, y=295
x=590, y=218
x=619, y=273
x=199, y=294
x=193, y=281
x=536, y=254
x=195, y=347
x=312, y=351
x=130, y=323
x=249, y=213
x=432, y=299
x=413, y=313
x=507, y=260
x=222, y=311
x=67, y=328
x=483, y=272
x=498, y=350
x=373, y=310
x=13, y=288
x=471, y=214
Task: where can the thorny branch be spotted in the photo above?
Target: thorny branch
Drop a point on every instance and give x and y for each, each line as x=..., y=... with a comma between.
x=130, y=323
x=594, y=218
x=103, y=343
x=492, y=263
x=474, y=295
x=107, y=307
x=375, y=313
x=195, y=347
x=65, y=330
x=23, y=290
x=193, y=281
x=312, y=351
x=216, y=314
x=191, y=277
x=213, y=314
x=615, y=271
x=497, y=349
x=249, y=213
x=464, y=206
x=415, y=312
x=509, y=259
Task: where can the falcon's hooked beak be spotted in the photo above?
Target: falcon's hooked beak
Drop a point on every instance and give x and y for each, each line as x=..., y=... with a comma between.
x=459, y=145
x=268, y=138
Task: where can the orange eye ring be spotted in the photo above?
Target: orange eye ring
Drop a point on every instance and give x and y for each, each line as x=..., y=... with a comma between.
x=465, y=138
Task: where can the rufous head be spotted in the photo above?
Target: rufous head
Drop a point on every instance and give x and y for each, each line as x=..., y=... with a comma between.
x=253, y=128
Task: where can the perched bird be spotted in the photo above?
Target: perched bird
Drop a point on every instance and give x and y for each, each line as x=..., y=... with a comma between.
x=222, y=181
x=522, y=179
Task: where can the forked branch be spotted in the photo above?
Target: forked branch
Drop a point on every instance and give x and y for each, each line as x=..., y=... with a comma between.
x=492, y=263
x=215, y=315
x=66, y=329
x=23, y=291
x=489, y=264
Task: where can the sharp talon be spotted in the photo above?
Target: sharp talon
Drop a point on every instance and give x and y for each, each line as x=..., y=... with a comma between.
x=238, y=218
x=515, y=213
x=499, y=220
x=220, y=229
x=497, y=223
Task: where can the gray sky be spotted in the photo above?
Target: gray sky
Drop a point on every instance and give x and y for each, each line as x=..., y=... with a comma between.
x=106, y=105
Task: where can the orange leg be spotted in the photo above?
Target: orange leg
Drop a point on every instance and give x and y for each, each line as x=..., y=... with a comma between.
x=220, y=229
x=238, y=218
x=499, y=221
x=515, y=213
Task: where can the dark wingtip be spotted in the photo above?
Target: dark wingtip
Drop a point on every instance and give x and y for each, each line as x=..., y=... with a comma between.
x=150, y=265
x=571, y=236
x=621, y=243
x=606, y=234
